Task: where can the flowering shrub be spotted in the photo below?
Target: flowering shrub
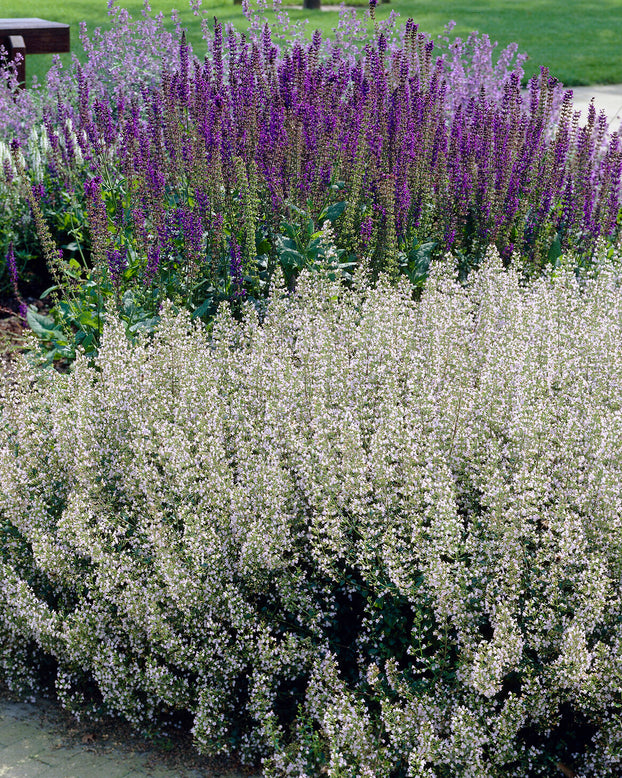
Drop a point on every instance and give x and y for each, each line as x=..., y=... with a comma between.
x=116, y=64
x=77, y=109
x=365, y=536
x=229, y=168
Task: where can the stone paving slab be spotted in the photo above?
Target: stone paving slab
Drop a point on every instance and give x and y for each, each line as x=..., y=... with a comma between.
x=607, y=98
x=34, y=745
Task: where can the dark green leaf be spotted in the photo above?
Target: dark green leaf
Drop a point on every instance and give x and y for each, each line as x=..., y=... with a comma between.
x=291, y=259
x=42, y=326
x=555, y=250
x=203, y=308
x=145, y=325
x=332, y=212
x=47, y=291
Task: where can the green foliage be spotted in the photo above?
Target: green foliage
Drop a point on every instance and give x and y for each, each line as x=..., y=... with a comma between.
x=302, y=246
x=358, y=535
x=62, y=209
x=416, y=263
x=75, y=320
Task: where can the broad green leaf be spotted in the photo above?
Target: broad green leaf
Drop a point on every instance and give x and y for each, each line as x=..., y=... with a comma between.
x=332, y=212
x=202, y=309
x=43, y=295
x=555, y=250
x=42, y=326
x=88, y=319
x=290, y=258
x=145, y=325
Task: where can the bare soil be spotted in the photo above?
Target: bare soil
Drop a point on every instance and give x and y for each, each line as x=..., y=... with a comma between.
x=12, y=328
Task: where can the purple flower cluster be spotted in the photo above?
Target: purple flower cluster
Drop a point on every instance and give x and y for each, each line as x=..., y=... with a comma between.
x=14, y=278
x=486, y=171
x=117, y=262
x=120, y=61
x=97, y=218
x=447, y=149
x=235, y=268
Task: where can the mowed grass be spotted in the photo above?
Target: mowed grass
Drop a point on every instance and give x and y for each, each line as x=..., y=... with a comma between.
x=578, y=41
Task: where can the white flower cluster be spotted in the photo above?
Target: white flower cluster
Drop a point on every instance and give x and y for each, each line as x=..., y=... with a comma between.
x=368, y=536
x=9, y=191
x=327, y=241
x=38, y=150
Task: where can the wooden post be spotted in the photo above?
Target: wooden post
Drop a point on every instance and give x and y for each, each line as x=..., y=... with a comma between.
x=17, y=46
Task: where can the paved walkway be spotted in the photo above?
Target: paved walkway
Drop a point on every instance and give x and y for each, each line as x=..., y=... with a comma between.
x=36, y=743
x=606, y=98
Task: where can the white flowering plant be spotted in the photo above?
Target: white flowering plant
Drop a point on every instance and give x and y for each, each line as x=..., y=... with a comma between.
x=362, y=536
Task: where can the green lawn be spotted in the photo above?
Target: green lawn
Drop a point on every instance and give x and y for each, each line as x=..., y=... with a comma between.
x=578, y=40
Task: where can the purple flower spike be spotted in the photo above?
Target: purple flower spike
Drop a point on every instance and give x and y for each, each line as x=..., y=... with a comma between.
x=117, y=262
x=92, y=188
x=236, y=268
x=10, y=261
x=367, y=227
x=8, y=170
x=14, y=276
x=38, y=191
x=153, y=263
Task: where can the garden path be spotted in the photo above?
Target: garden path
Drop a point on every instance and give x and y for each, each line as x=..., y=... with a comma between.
x=38, y=741
x=607, y=98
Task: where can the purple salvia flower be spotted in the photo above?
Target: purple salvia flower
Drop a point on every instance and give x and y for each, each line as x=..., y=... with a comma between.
x=105, y=121
x=117, y=262
x=266, y=43
x=83, y=99
x=471, y=157
x=98, y=218
x=203, y=203
x=14, y=278
x=38, y=191
x=153, y=264
x=92, y=189
x=217, y=53
x=8, y=170
x=69, y=152
x=235, y=267
x=184, y=62
x=52, y=136
x=191, y=231
x=366, y=230
x=11, y=264
x=139, y=220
